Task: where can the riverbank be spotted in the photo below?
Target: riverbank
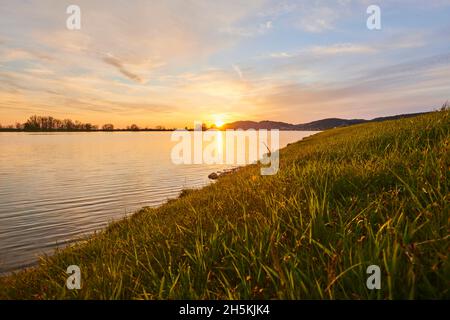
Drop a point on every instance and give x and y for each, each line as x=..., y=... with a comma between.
x=344, y=199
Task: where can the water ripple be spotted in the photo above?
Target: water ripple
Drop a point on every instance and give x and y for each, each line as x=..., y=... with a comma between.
x=56, y=188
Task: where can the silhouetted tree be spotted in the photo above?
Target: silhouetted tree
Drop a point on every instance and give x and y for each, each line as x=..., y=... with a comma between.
x=50, y=123
x=133, y=127
x=108, y=127
x=68, y=124
x=57, y=124
x=33, y=123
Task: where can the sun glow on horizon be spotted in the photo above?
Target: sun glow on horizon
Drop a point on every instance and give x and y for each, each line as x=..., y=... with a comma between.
x=219, y=123
x=219, y=120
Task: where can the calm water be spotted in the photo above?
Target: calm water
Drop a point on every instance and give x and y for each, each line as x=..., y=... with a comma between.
x=56, y=187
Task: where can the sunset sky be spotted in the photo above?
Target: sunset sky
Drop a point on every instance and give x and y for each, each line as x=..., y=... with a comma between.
x=176, y=61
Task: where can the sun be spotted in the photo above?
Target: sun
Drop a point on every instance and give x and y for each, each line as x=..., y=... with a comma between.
x=219, y=123
x=218, y=120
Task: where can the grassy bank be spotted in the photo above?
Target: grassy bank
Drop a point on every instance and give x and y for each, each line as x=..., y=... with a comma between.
x=343, y=199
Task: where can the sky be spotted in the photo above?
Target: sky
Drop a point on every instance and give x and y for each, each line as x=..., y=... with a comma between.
x=174, y=62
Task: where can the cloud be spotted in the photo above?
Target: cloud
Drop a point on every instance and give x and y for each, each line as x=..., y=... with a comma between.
x=111, y=60
x=329, y=50
x=342, y=48
x=216, y=83
x=280, y=8
x=237, y=70
x=318, y=23
x=416, y=85
x=20, y=54
x=248, y=31
x=309, y=16
x=407, y=69
x=277, y=55
x=319, y=16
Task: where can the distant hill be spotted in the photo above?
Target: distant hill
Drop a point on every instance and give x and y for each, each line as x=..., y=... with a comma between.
x=327, y=124
x=260, y=125
x=318, y=125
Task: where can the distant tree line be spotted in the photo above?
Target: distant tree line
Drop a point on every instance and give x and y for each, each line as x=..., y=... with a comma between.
x=40, y=123
x=49, y=123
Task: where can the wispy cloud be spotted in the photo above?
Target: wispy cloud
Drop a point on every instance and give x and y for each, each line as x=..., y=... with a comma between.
x=318, y=19
x=328, y=50
x=238, y=71
x=343, y=48
x=111, y=60
x=248, y=31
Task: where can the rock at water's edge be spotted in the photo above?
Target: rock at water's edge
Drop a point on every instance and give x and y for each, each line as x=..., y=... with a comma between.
x=213, y=176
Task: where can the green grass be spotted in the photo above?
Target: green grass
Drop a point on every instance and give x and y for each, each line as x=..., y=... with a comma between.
x=343, y=199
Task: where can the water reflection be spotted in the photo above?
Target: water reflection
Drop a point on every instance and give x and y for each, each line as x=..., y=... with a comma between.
x=55, y=187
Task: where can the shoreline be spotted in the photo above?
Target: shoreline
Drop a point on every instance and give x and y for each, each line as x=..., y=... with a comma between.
x=218, y=175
